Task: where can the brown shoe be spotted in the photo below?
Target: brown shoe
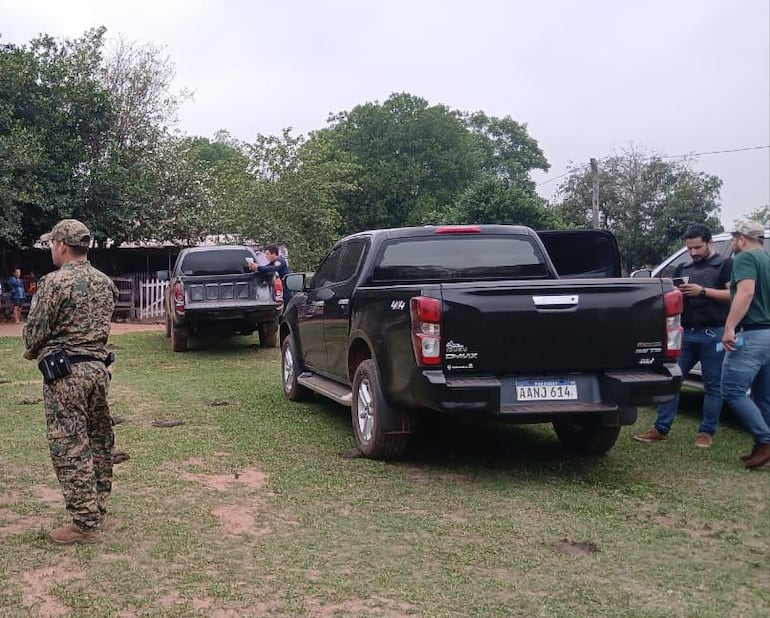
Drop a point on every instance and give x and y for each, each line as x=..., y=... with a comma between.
x=70, y=535
x=651, y=436
x=760, y=457
x=704, y=440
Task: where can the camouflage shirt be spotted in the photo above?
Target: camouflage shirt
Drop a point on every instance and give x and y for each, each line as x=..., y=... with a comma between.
x=71, y=311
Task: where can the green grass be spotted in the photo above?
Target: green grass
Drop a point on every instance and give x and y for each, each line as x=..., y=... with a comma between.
x=251, y=508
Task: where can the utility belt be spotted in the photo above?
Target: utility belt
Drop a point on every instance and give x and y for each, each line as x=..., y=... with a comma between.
x=57, y=365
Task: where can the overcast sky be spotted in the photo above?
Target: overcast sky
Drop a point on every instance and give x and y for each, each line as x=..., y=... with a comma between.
x=588, y=78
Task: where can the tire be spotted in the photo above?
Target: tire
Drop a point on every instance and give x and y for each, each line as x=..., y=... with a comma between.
x=179, y=339
x=380, y=431
x=586, y=435
x=290, y=368
x=268, y=333
x=168, y=326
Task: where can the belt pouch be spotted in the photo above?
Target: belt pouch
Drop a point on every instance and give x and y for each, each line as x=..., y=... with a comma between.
x=55, y=366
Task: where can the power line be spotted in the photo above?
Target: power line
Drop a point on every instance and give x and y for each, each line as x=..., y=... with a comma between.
x=711, y=152
x=682, y=156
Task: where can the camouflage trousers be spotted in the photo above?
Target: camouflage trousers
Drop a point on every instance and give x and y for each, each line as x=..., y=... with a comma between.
x=80, y=439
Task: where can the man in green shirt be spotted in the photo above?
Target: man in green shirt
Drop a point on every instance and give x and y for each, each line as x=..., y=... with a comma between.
x=746, y=339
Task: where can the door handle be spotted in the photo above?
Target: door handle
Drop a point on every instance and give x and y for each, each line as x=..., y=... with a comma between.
x=343, y=302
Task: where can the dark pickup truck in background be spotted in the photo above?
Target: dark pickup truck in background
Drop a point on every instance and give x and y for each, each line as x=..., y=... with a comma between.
x=211, y=291
x=481, y=321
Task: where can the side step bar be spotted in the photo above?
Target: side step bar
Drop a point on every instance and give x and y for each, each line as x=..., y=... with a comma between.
x=326, y=387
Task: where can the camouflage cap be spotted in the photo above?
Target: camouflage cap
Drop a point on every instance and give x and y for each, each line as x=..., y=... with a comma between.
x=747, y=227
x=71, y=232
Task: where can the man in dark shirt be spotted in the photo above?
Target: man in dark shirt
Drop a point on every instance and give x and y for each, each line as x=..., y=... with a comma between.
x=706, y=303
x=275, y=264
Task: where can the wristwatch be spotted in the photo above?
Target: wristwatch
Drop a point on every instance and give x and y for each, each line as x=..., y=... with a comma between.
x=702, y=292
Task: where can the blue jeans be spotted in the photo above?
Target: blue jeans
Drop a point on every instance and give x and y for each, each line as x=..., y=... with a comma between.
x=747, y=368
x=699, y=344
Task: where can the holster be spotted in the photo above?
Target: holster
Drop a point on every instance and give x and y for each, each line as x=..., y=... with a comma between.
x=55, y=366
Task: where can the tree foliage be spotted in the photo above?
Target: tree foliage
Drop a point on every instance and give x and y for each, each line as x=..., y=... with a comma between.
x=648, y=203
x=761, y=214
x=413, y=163
x=83, y=135
x=293, y=198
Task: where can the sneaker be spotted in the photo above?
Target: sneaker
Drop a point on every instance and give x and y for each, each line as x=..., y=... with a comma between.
x=704, y=440
x=651, y=436
x=70, y=535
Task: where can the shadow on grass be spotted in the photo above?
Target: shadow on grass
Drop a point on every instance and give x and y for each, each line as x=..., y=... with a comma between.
x=456, y=444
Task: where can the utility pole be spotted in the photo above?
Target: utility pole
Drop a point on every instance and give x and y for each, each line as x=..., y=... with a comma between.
x=595, y=192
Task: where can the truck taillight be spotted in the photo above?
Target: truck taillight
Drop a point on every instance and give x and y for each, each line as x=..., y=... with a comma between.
x=426, y=329
x=673, y=303
x=179, y=297
x=278, y=290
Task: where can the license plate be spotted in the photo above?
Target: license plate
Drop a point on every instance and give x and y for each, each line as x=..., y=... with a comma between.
x=546, y=390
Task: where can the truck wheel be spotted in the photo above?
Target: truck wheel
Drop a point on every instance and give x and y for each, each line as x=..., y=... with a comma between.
x=179, y=339
x=380, y=431
x=290, y=368
x=268, y=333
x=168, y=326
x=586, y=435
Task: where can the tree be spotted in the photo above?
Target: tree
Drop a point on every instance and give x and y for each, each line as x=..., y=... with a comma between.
x=125, y=169
x=492, y=201
x=411, y=160
x=761, y=214
x=293, y=196
x=648, y=203
x=82, y=136
x=53, y=110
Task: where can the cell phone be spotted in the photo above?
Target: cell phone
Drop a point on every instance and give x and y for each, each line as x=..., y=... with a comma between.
x=680, y=280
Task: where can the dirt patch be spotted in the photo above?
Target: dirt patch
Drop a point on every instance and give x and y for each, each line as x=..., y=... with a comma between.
x=19, y=524
x=49, y=495
x=36, y=585
x=118, y=328
x=251, y=478
x=577, y=548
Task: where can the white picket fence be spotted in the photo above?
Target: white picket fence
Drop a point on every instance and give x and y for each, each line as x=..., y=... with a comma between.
x=151, y=294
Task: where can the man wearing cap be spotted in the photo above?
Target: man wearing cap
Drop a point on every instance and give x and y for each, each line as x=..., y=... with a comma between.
x=746, y=339
x=66, y=332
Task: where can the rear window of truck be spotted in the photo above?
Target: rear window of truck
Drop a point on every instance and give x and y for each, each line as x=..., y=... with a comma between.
x=220, y=262
x=461, y=257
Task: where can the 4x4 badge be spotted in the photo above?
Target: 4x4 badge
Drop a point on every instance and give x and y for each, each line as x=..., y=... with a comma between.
x=398, y=305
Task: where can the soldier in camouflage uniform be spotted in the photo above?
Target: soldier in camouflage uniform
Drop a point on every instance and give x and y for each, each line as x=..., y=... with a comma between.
x=71, y=313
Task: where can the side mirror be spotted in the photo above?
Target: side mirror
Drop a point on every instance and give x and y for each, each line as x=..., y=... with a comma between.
x=642, y=273
x=294, y=282
x=162, y=275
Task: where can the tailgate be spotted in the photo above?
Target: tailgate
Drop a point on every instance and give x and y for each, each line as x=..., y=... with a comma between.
x=533, y=327
x=227, y=291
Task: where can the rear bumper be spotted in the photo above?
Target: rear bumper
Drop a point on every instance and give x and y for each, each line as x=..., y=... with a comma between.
x=607, y=393
x=217, y=318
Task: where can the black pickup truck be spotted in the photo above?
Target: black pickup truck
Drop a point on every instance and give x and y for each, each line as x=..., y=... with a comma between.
x=211, y=291
x=479, y=321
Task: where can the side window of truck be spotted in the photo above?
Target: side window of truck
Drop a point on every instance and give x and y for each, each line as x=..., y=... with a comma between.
x=341, y=264
x=327, y=271
x=351, y=258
